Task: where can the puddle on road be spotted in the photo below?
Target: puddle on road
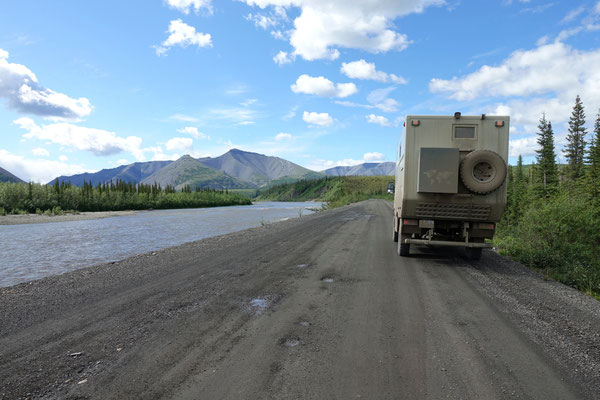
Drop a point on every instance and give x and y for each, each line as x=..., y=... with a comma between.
x=327, y=279
x=259, y=305
x=290, y=342
x=302, y=265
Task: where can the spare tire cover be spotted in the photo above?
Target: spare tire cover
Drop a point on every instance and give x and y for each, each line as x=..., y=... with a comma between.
x=483, y=171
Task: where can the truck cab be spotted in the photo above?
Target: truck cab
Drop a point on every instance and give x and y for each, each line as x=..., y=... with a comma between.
x=450, y=186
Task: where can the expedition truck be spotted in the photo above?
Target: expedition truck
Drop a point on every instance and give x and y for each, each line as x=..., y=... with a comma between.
x=450, y=181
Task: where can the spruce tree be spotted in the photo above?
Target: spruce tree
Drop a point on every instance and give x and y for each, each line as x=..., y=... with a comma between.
x=574, y=152
x=593, y=160
x=546, y=157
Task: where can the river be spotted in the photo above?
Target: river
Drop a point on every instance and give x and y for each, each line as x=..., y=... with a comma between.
x=34, y=251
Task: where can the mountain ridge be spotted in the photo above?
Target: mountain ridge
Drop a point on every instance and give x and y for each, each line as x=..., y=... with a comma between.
x=6, y=176
x=365, y=169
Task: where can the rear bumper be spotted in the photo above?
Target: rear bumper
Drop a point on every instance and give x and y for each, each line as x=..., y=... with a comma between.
x=447, y=243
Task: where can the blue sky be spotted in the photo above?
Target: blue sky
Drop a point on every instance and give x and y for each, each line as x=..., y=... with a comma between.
x=92, y=85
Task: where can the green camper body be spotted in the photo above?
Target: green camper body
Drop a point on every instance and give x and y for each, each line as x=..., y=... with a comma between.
x=450, y=181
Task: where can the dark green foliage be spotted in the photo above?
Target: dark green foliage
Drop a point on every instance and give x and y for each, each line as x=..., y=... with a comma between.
x=119, y=195
x=574, y=151
x=336, y=191
x=560, y=236
x=547, y=176
x=593, y=160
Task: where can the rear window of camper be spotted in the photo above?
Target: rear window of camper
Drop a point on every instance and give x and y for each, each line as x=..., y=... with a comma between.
x=464, y=132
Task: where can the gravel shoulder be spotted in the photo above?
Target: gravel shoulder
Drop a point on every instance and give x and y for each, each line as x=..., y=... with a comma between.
x=42, y=219
x=315, y=307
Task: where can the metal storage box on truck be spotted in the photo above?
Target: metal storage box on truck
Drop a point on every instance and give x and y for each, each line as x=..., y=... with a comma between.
x=450, y=181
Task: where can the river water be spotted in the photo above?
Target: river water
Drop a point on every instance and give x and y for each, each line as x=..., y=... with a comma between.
x=33, y=251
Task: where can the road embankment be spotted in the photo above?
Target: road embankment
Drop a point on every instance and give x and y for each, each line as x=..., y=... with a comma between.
x=316, y=307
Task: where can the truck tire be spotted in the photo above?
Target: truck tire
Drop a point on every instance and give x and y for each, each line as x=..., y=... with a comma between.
x=483, y=171
x=403, y=249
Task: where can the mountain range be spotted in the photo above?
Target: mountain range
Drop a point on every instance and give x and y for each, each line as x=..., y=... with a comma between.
x=366, y=169
x=6, y=176
x=235, y=169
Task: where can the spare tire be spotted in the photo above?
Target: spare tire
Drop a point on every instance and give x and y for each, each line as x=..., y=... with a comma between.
x=483, y=171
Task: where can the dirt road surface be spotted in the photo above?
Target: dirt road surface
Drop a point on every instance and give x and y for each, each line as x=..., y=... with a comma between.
x=320, y=307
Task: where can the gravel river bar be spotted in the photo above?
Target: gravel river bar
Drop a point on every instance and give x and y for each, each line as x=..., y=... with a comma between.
x=318, y=307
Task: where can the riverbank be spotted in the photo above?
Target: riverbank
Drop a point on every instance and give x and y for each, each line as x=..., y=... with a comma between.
x=43, y=218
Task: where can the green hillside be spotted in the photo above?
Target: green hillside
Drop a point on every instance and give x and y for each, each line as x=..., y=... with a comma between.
x=336, y=191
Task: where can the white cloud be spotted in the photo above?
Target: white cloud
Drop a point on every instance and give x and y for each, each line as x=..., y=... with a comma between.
x=317, y=119
x=283, y=58
x=97, y=141
x=37, y=170
x=262, y=21
x=554, y=67
x=364, y=70
x=544, y=79
x=193, y=131
x=183, y=118
x=378, y=119
x=179, y=143
x=325, y=26
x=283, y=136
x=373, y=156
x=185, y=6
x=321, y=86
x=183, y=35
x=239, y=116
x=122, y=161
x=571, y=15
x=20, y=87
x=40, y=152
x=523, y=146
x=63, y=158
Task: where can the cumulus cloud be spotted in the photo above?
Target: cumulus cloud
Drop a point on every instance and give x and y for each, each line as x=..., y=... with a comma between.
x=283, y=58
x=317, y=119
x=40, y=152
x=373, y=156
x=62, y=157
x=36, y=169
x=97, y=141
x=183, y=35
x=193, y=131
x=20, y=87
x=378, y=119
x=179, y=143
x=364, y=70
x=545, y=79
x=321, y=86
x=283, y=136
x=185, y=6
x=325, y=26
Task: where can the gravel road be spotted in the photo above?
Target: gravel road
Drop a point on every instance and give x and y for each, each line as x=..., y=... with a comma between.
x=319, y=307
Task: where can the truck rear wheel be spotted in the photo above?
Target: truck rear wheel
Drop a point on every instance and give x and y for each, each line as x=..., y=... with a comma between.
x=483, y=171
x=403, y=249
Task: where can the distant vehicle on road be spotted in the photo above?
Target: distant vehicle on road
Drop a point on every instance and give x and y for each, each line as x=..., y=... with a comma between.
x=450, y=181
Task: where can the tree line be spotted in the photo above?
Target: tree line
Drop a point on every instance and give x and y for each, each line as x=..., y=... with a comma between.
x=552, y=220
x=16, y=198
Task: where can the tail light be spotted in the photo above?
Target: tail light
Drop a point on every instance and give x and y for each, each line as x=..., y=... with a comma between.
x=410, y=222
